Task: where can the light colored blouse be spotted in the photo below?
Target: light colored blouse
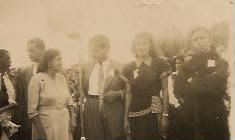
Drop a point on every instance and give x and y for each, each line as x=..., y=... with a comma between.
x=45, y=93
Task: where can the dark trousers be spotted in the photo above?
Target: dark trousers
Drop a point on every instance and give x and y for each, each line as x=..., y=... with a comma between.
x=95, y=123
x=200, y=122
x=24, y=133
x=20, y=117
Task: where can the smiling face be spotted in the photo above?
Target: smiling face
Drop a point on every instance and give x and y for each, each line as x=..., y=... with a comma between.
x=179, y=64
x=142, y=47
x=201, y=41
x=5, y=62
x=56, y=63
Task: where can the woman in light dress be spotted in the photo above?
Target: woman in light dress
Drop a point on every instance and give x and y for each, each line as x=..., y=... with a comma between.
x=50, y=105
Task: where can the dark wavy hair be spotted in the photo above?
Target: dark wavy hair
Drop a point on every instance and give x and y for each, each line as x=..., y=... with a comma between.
x=49, y=55
x=2, y=53
x=148, y=37
x=174, y=60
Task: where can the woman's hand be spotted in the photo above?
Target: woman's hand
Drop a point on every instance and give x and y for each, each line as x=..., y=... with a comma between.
x=181, y=100
x=73, y=123
x=40, y=130
x=164, y=126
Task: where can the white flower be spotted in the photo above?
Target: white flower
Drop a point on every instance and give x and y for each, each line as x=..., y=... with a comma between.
x=136, y=73
x=190, y=80
x=211, y=63
x=12, y=127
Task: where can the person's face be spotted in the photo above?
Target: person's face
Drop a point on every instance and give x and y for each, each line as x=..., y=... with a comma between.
x=5, y=62
x=99, y=53
x=142, y=48
x=70, y=74
x=34, y=53
x=178, y=64
x=201, y=41
x=220, y=50
x=56, y=63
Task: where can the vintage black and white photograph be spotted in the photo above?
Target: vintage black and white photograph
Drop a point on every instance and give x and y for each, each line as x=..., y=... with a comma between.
x=117, y=70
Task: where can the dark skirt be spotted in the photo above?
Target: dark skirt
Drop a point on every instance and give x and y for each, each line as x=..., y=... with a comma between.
x=144, y=127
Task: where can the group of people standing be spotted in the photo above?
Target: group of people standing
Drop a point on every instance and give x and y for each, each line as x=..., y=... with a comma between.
x=120, y=102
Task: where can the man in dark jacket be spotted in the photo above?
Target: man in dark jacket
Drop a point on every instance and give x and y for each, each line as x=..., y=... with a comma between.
x=202, y=85
x=36, y=48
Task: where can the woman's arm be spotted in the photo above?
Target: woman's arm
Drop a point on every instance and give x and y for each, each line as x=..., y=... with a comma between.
x=165, y=95
x=128, y=98
x=165, y=120
x=71, y=109
x=33, y=101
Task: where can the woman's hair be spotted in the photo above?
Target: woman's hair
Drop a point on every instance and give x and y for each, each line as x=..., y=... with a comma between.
x=49, y=55
x=149, y=38
x=174, y=61
x=3, y=52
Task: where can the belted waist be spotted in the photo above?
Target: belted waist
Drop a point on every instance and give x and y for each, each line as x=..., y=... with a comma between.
x=93, y=96
x=52, y=107
x=94, y=93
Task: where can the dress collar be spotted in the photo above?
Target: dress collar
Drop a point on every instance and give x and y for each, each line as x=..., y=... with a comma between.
x=147, y=62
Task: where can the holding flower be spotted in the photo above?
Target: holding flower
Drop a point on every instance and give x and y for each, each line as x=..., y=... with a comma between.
x=7, y=97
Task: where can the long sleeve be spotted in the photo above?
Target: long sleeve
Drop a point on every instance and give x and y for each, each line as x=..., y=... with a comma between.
x=33, y=96
x=214, y=82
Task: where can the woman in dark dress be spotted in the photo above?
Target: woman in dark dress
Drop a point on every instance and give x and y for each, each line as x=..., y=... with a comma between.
x=7, y=97
x=147, y=75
